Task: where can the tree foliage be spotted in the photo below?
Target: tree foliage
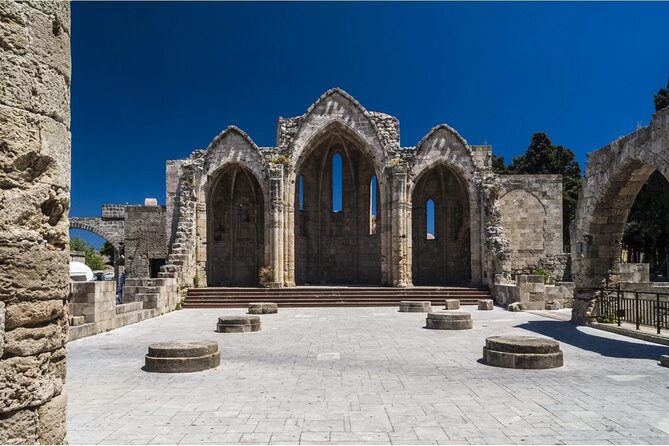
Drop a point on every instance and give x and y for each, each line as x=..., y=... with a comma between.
x=662, y=98
x=92, y=257
x=498, y=164
x=109, y=251
x=647, y=228
x=544, y=157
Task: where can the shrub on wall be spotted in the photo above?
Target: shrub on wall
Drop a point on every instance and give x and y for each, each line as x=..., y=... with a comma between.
x=265, y=276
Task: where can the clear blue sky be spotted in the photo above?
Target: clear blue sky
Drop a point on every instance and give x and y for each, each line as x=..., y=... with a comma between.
x=153, y=81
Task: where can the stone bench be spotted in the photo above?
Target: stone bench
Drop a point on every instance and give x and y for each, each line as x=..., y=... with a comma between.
x=522, y=352
x=449, y=320
x=451, y=304
x=263, y=308
x=238, y=324
x=485, y=304
x=182, y=357
x=418, y=306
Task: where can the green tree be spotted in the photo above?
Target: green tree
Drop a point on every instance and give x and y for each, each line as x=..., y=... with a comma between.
x=544, y=157
x=662, y=98
x=92, y=258
x=647, y=228
x=108, y=250
x=78, y=244
x=498, y=164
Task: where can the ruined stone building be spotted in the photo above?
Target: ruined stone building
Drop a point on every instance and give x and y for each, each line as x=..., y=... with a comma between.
x=429, y=214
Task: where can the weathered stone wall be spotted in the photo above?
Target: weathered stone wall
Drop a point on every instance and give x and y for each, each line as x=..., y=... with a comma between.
x=112, y=231
x=145, y=241
x=316, y=245
x=93, y=308
x=34, y=241
x=531, y=208
x=614, y=175
x=534, y=294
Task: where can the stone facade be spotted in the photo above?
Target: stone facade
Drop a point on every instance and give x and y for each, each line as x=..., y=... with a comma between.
x=614, y=175
x=145, y=244
x=236, y=207
x=35, y=199
x=532, y=221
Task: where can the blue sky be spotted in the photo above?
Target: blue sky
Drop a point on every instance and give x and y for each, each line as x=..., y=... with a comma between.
x=153, y=81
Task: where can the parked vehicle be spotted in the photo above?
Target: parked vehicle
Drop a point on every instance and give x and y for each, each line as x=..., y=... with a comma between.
x=109, y=275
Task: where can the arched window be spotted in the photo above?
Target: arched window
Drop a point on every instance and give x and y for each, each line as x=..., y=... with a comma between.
x=373, y=198
x=337, y=182
x=300, y=192
x=429, y=220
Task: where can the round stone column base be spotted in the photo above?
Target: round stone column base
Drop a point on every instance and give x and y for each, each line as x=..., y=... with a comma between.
x=418, y=306
x=452, y=320
x=485, y=304
x=182, y=357
x=522, y=352
x=451, y=304
x=238, y=324
x=263, y=308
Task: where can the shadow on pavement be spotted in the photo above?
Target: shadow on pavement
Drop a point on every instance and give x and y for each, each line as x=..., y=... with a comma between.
x=573, y=335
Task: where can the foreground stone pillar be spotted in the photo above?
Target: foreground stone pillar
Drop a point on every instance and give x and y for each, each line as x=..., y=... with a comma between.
x=401, y=229
x=34, y=237
x=276, y=223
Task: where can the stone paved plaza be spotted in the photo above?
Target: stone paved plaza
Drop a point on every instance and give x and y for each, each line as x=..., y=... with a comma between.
x=369, y=375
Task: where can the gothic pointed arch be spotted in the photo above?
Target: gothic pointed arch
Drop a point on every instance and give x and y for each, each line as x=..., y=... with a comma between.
x=234, y=146
x=337, y=108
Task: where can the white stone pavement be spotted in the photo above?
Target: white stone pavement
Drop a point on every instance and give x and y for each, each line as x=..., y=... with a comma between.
x=366, y=375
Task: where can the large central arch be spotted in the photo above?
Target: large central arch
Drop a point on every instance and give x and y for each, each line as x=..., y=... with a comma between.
x=336, y=246
x=235, y=228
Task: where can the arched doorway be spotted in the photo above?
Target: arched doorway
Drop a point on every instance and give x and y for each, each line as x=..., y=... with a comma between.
x=337, y=213
x=440, y=229
x=235, y=228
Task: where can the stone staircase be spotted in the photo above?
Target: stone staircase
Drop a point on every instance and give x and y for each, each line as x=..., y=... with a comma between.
x=157, y=293
x=329, y=296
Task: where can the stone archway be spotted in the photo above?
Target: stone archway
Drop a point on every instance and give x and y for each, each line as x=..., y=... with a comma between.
x=443, y=256
x=113, y=231
x=337, y=246
x=235, y=228
x=614, y=176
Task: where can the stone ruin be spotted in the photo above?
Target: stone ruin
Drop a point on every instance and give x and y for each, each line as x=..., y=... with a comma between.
x=275, y=207
x=613, y=178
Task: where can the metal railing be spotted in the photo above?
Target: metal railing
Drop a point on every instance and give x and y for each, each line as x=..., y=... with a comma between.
x=637, y=307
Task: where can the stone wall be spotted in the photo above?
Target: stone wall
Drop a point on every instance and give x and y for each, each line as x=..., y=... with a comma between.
x=93, y=308
x=534, y=294
x=532, y=220
x=34, y=241
x=145, y=241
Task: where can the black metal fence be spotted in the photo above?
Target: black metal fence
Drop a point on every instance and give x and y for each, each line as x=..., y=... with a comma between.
x=636, y=307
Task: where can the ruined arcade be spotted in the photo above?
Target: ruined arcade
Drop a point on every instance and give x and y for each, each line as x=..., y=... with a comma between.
x=235, y=208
